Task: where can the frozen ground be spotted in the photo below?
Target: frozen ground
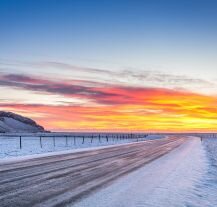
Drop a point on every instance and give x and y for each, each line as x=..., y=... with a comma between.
x=168, y=181
x=10, y=146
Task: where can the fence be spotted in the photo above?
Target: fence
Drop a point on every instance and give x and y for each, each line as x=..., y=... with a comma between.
x=22, y=144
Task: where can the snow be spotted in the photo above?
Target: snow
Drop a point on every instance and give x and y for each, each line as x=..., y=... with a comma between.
x=167, y=181
x=64, y=152
x=10, y=145
x=11, y=122
x=13, y=125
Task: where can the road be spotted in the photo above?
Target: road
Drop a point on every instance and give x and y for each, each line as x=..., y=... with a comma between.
x=61, y=179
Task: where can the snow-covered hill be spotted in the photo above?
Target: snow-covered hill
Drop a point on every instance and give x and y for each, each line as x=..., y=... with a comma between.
x=11, y=122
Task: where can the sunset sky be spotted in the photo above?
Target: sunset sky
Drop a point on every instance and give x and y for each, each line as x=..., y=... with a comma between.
x=110, y=65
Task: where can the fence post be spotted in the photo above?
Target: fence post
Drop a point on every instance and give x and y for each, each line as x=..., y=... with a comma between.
x=99, y=138
x=92, y=139
x=40, y=142
x=20, y=142
x=74, y=141
x=54, y=142
x=66, y=141
x=83, y=140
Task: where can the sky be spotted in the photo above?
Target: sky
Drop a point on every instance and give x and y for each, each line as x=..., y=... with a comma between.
x=110, y=65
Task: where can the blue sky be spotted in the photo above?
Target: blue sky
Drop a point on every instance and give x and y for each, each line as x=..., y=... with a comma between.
x=161, y=35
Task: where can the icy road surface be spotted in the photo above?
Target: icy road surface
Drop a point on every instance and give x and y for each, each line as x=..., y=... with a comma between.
x=62, y=179
x=167, y=181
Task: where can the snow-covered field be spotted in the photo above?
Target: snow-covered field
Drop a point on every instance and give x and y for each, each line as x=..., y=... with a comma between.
x=12, y=146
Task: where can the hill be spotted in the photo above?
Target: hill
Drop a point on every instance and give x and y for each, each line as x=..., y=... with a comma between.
x=11, y=122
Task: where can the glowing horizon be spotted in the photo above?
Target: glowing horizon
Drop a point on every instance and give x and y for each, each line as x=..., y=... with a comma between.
x=108, y=107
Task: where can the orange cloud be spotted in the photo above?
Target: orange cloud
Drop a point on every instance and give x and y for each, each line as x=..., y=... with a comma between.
x=114, y=107
x=137, y=110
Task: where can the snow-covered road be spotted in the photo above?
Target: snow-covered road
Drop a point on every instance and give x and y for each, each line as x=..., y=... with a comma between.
x=64, y=178
x=168, y=181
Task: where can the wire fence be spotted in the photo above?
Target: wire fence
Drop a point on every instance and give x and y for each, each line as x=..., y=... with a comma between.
x=69, y=140
x=24, y=144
